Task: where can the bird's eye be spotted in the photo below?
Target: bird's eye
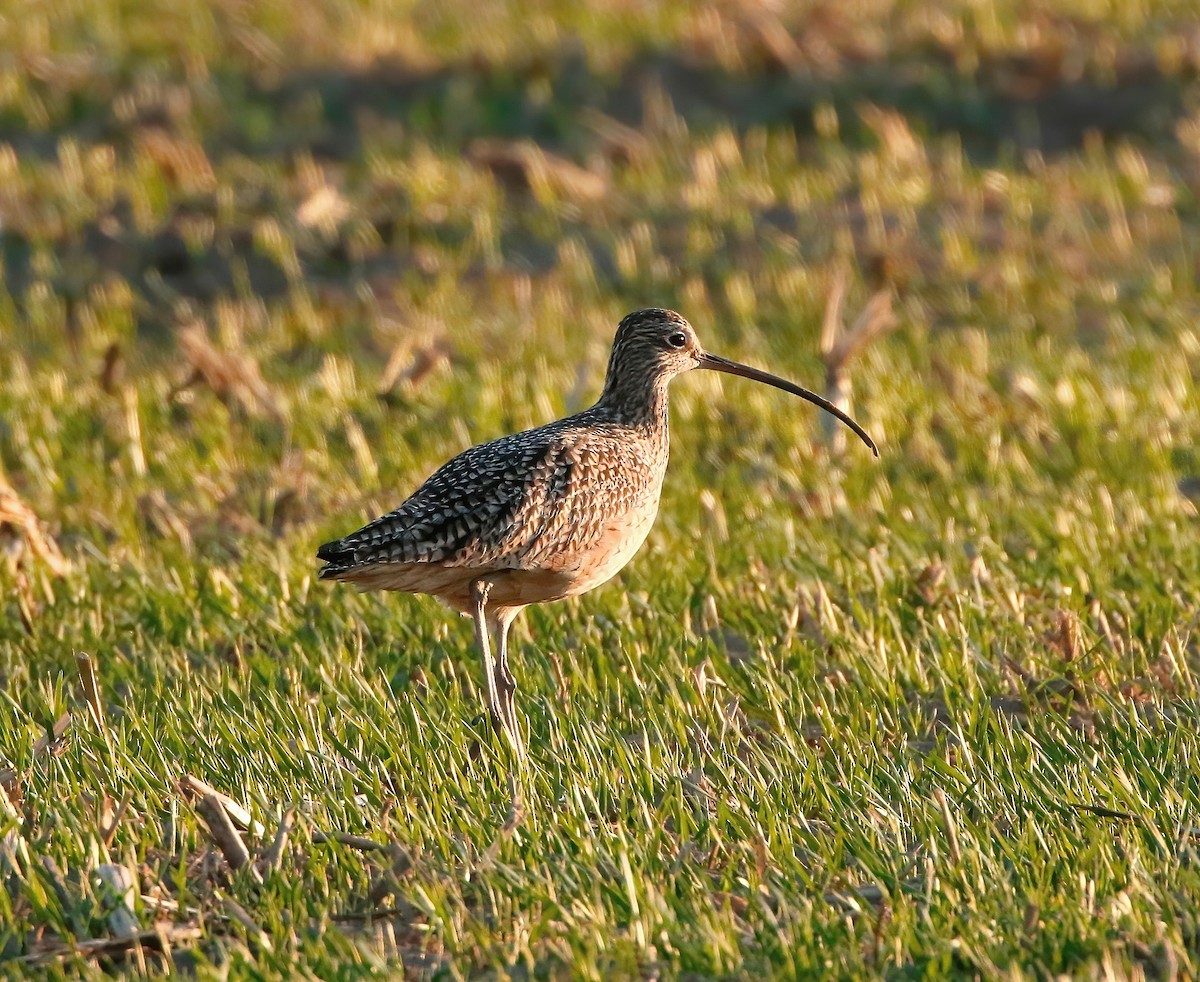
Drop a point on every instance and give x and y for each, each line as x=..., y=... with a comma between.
x=677, y=340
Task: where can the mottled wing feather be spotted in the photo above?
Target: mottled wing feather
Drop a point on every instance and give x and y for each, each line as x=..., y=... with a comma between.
x=458, y=509
x=525, y=501
x=597, y=481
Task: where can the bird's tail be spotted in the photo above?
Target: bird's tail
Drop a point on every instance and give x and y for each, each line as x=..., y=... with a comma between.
x=340, y=559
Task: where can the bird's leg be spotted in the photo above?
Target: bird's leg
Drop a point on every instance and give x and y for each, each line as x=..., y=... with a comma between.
x=479, y=593
x=505, y=683
x=501, y=709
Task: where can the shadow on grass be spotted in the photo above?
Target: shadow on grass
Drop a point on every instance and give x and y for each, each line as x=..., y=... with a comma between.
x=1005, y=106
x=1008, y=103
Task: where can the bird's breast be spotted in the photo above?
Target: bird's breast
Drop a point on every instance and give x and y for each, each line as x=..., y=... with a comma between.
x=620, y=537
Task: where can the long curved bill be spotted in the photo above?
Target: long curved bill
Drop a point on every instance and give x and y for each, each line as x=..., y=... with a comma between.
x=718, y=364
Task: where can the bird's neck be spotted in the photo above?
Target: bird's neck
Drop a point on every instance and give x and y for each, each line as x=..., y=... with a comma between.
x=636, y=400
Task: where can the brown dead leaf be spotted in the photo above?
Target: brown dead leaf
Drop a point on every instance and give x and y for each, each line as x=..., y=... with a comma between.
x=1064, y=637
x=20, y=530
x=112, y=371
x=232, y=376
x=10, y=787
x=738, y=905
x=181, y=160
x=161, y=518
x=410, y=368
x=705, y=676
x=892, y=131
x=523, y=164
x=929, y=583
x=840, y=346
x=621, y=143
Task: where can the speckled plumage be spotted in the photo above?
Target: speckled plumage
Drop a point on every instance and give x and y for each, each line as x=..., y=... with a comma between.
x=525, y=502
x=544, y=514
x=558, y=501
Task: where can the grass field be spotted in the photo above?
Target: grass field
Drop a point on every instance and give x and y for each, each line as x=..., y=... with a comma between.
x=936, y=714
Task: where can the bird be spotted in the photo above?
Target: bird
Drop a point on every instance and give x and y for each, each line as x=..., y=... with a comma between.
x=547, y=513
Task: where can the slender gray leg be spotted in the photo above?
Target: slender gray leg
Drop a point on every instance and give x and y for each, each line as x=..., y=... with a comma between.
x=479, y=593
x=500, y=707
x=505, y=684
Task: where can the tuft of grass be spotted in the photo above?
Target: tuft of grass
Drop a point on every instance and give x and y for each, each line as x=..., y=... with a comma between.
x=266, y=267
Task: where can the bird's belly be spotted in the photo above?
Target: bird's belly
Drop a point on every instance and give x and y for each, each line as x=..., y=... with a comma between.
x=609, y=554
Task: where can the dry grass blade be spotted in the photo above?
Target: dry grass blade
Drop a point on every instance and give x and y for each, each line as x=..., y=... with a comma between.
x=162, y=519
x=621, y=143
x=242, y=916
x=523, y=164
x=182, y=161
x=133, y=430
x=19, y=524
x=233, y=376
x=831, y=323
x=516, y=807
x=272, y=856
x=1065, y=637
x=91, y=690
x=410, y=368
x=1101, y=811
x=109, y=828
x=839, y=347
x=50, y=742
x=104, y=811
x=352, y=841
x=58, y=882
x=951, y=828
x=776, y=42
x=160, y=939
x=512, y=821
x=12, y=844
x=356, y=916
x=851, y=902
x=27, y=605
x=893, y=132
x=388, y=882
x=324, y=208
x=227, y=838
x=193, y=788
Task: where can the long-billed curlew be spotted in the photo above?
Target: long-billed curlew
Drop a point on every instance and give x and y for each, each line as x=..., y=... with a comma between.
x=548, y=513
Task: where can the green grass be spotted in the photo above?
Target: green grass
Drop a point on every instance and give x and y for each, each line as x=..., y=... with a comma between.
x=932, y=714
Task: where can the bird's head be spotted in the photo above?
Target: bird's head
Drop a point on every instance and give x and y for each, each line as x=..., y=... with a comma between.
x=655, y=342
x=652, y=346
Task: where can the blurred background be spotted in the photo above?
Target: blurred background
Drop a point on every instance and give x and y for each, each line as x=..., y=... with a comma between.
x=265, y=265
x=403, y=228
x=439, y=211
